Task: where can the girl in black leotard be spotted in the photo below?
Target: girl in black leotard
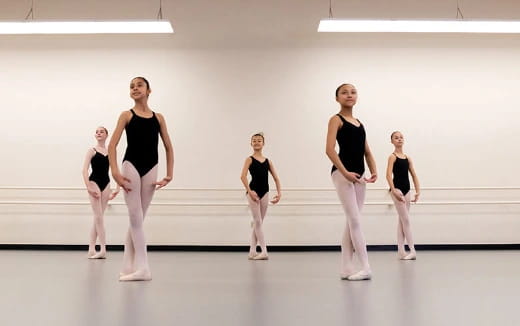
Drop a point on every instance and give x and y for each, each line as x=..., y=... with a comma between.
x=139, y=173
x=397, y=170
x=98, y=187
x=347, y=176
x=257, y=193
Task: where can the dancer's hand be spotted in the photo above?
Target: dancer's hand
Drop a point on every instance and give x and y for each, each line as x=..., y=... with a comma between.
x=352, y=177
x=398, y=194
x=122, y=181
x=372, y=178
x=113, y=194
x=276, y=198
x=162, y=182
x=93, y=191
x=253, y=195
x=416, y=198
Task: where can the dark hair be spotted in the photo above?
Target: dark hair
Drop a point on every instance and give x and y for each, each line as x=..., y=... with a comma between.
x=339, y=87
x=145, y=81
x=259, y=134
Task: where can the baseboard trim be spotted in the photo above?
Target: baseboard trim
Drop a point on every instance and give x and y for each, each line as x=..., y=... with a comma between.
x=292, y=248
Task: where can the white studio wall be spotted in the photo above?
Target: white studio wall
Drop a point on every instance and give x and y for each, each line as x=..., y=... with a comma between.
x=456, y=109
x=454, y=100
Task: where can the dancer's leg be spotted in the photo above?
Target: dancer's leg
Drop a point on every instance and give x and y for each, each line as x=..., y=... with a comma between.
x=135, y=212
x=404, y=222
x=348, y=193
x=146, y=189
x=147, y=192
x=253, y=243
x=100, y=225
x=128, y=255
x=347, y=248
x=401, y=251
x=97, y=211
x=257, y=225
x=360, y=189
x=264, y=203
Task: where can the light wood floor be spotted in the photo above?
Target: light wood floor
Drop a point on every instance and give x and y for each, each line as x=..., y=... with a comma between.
x=292, y=288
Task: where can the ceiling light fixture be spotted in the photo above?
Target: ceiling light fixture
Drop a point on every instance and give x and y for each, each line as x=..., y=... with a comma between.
x=417, y=26
x=85, y=27
x=31, y=26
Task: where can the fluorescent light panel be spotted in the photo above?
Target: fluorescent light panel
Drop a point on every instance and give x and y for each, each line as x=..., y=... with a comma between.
x=86, y=27
x=418, y=26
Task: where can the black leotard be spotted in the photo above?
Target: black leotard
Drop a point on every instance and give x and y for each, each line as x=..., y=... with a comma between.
x=142, y=137
x=400, y=171
x=351, y=140
x=99, y=175
x=259, y=176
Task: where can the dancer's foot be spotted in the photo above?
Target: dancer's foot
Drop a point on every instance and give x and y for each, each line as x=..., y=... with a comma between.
x=261, y=256
x=410, y=256
x=99, y=255
x=126, y=271
x=346, y=273
x=137, y=276
x=90, y=254
x=252, y=255
x=360, y=276
x=401, y=254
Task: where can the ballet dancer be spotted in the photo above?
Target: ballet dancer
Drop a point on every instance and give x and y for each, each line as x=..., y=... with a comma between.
x=98, y=187
x=347, y=176
x=258, y=193
x=138, y=176
x=399, y=165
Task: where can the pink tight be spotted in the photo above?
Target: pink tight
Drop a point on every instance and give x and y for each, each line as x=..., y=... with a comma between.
x=404, y=231
x=352, y=197
x=98, y=228
x=258, y=210
x=135, y=258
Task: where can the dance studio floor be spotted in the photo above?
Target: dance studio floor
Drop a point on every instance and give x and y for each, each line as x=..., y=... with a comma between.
x=292, y=288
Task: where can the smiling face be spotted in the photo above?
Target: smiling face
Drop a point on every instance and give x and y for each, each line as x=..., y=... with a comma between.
x=346, y=95
x=139, y=89
x=257, y=142
x=397, y=139
x=101, y=133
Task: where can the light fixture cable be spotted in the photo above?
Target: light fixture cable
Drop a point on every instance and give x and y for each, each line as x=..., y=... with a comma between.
x=159, y=14
x=459, y=12
x=330, y=9
x=31, y=11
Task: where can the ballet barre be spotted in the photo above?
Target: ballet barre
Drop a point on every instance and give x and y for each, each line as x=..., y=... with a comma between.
x=285, y=189
x=236, y=204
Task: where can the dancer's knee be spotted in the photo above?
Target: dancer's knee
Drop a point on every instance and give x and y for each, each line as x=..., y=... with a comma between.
x=354, y=224
x=404, y=221
x=136, y=222
x=257, y=223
